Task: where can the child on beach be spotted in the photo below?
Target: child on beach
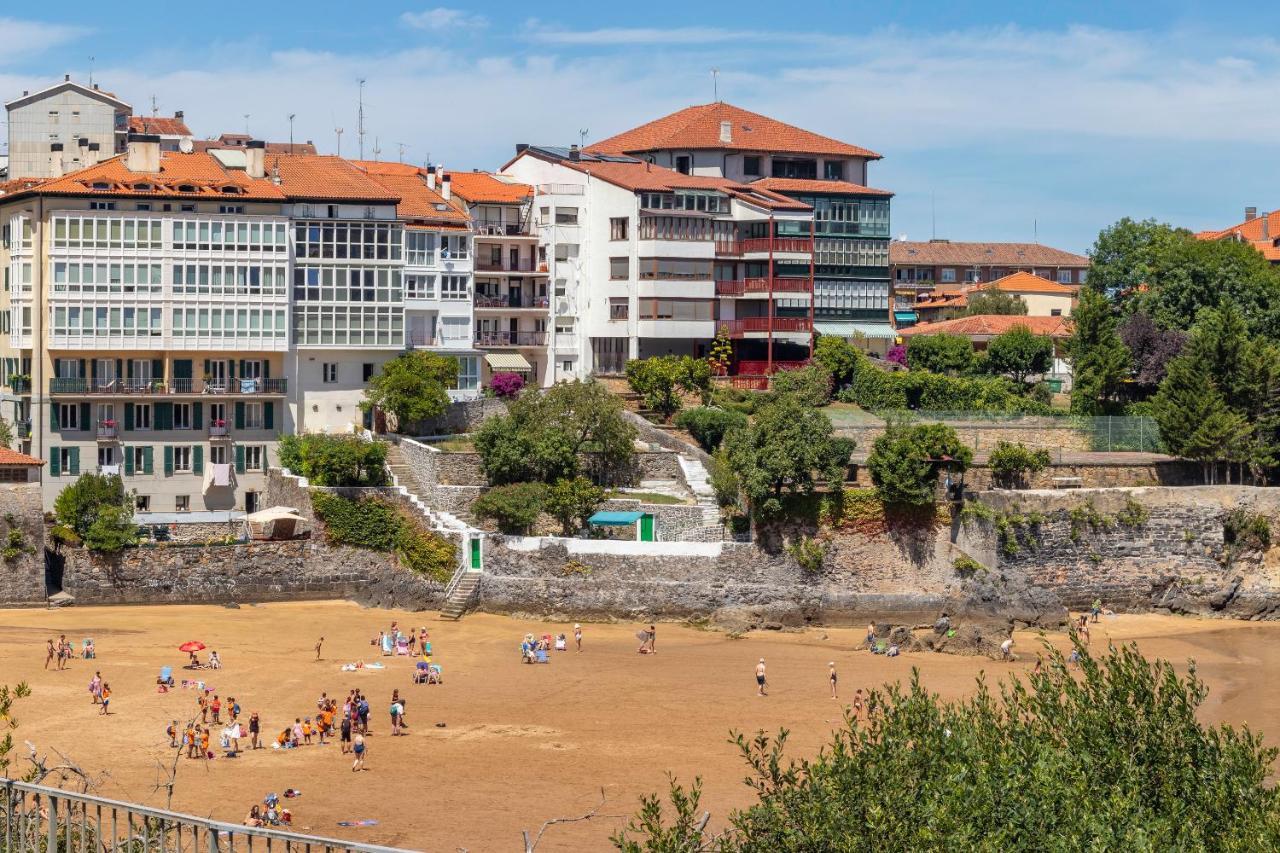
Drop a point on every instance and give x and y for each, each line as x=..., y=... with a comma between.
x=857, y=703
x=359, y=748
x=319, y=643
x=172, y=732
x=204, y=743
x=831, y=677
x=216, y=708
x=254, y=728
x=577, y=635
x=297, y=731
x=48, y=655
x=106, y=698
x=306, y=731
x=215, y=662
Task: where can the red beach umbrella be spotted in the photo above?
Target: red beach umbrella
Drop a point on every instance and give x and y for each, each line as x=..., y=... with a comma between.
x=191, y=646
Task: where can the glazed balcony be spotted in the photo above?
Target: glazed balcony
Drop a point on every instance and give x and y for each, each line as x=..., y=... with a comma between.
x=168, y=388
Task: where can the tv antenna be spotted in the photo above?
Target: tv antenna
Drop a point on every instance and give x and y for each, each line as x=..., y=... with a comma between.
x=155, y=110
x=403, y=146
x=91, y=72
x=292, y=116
x=246, y=124
x=582, y=137
x=338, y=131
x=360, y=119
x=715, y=84
x=377, y=152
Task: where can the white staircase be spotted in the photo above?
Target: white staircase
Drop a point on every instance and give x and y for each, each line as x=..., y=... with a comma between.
x=695, y=474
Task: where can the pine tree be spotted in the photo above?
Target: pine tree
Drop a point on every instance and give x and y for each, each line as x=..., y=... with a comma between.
x=1099, y=359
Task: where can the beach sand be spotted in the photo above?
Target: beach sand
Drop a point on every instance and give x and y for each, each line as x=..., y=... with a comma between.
x=522, y=744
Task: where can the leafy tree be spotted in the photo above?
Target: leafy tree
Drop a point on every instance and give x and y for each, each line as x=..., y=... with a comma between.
x=1019, y=353
x=1150, y=347
x=112, y=531
x=905, y=461
x=413, y=387
x=1099, y=359
x=660, y=380
x=8, y=722
x=721, y=352
x=1198, y=274
x=572, y=502
x=879, y=390
x=6, y=433
x=514, y=508
x=723, y=479
x=79, y=504
x=811, y=384
x=994, y=302
x=842, y=359
x=1128, y=256
x=941, y=353
x=1112, y=757
x=1010, y=462
x=709, y=425
x=335, y=460
x=790, y=447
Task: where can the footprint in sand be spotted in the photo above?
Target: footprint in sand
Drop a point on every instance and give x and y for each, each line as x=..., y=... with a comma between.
x=486, y=730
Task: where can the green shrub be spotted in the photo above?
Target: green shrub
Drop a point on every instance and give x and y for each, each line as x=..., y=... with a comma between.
x=15, y=545
x=1010, y=463
x=335, y=460
x=879, y=390
x=809, y=553
x=810, y=384
x=378, y=525
x=709, y=425
x=660, y=380
x=841, y=358
x=966, y=566
x=98, y=511
x=572, y=502
x=1134, y=514
x=906, y=460
x=514, y=507
x=1246, y=530
x=723, y=479
x=738, y=399
x=940, y=353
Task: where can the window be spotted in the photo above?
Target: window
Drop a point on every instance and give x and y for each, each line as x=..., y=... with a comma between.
x=805, y=169
x=751, y=165
x=948, y=274
x=182, y=503
x=182, y=416
x=566, y=216
x=141, y=417
x=142, y=503
x=231, y=208
x=139, y=455
x=69, y=416
x=419, y=287
x=329, y=371
x=973, y=276
x=182, y=459
x=143, y=205
x=102, y=205
x=675, y=269
x=454, y=287
x=255, y=458
x=252, y=502
x=68, y=459
x=188, y=208
x=618, y=227
x=566, y=367
x=619, y=268
x=1084, y=274
x=253, y=416
x=833, y=171
x=366, y=371
x=468, y=373
x=1055, y=312
x=675, y=228
x=218, y=453
x=677, y=309
x=682, y=164
x=420, y=248
x=1064, y=276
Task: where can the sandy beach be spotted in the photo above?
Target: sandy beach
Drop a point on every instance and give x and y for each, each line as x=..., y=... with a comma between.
x=521, y=744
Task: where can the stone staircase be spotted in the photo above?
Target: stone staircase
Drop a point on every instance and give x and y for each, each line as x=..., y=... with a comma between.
x=695, y=474
x=460, y=595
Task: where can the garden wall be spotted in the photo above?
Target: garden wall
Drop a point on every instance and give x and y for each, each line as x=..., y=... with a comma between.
x=982, y=437
x=463, y=416
x=1121, y=471
x=22, y=578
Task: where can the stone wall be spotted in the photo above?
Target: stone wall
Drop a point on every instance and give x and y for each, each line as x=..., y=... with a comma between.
x=665, y=439
x=1103, y=474
x=461, y=417
x=674, y=522
x=982, y=437
x=22, y=579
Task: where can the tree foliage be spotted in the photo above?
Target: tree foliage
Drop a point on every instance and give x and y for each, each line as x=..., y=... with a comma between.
x=905, y=461
x=940, y=353
x=788, y=448
x=810, y=384
x=1019, y=353
x=8, y=722
x=1129, y=255
x=378, y=525
x=1099, y=359
x=1150, y=347
x=880, y=390
x=543, y=433
x=994, y=302
x=1011, y=462
x=98, y=510
x=335, y=460
x=514, y=507
x=709, y=424
x=413, y=387
x=842, y=359
x=661, y=380
x=1110, y=758
x=572, y=502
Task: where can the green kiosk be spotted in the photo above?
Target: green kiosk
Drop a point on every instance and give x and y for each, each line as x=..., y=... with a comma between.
x=646, y=530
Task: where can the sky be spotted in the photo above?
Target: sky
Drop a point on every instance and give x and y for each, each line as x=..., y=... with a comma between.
x=997, y=120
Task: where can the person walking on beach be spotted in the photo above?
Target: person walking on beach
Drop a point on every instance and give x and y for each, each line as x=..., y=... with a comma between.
x=106, y=698
x=871, y=637
x=1006, y=649
x=831, y=677
x=319, y=643
x=255, y=726
x=577, y=636
x=346, y=733
x=760, y=679
x=48, y=655
x=95, y=688
x=1096, y=609
x=857, y=703
x=359, y=749
x=653, y=639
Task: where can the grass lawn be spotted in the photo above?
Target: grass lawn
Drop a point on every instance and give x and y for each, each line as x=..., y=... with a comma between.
x=455, y=445
x=645, y=497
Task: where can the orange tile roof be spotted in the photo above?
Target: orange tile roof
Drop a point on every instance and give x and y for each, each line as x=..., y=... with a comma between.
x=1264, y=239
x=201, y=172
x=990, y=325
x=1025, y=282
x=323, y=177
x=800, y=185
x=484, y=188
x=699, y=128
x=417, y=200
x=163, y=125
x=947, y=253
x=13, y=457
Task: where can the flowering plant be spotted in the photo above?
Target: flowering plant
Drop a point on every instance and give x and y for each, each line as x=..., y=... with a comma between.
x=506, y=384
x=897, y=354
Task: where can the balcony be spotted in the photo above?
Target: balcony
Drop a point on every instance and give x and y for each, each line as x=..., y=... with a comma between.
x=728, y=248
x=219, y=430
x=484, y=228
x=172, y=387
x=511, y=339
x=108, y=431
x=748, y=325
x=762, y=368
x=507, y=267
x=777, y=245
x=20, y=384
x=743, y=286
x=511, y=302
x=24, y=429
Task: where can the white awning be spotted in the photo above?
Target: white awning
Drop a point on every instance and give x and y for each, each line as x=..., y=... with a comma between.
x=851, y=330
x=511, y=362
x=262, y=516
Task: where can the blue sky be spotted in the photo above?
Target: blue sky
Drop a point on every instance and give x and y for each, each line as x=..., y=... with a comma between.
x=997, y=120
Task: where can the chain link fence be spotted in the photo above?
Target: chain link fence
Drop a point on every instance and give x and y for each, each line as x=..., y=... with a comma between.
x=1063, y=433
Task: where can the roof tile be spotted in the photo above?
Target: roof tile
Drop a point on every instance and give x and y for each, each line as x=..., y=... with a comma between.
x=990, y=325
x=800, y=185
x=945, y=252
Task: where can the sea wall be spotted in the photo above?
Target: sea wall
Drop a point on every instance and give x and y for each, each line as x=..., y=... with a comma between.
x=22, y=576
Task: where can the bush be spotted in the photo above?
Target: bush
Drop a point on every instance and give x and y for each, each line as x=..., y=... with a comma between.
x=809, y=553
x=878, y=390
x=723, y=479
x=841, y=359
x=709, y=425
x=335, y=460
x=413, y=387
x=897, y=354
x=377, y=525
x=506, y=385
x=1010, y=463
x=905, y=461
x=737, y=399
x=514, y=507
x=810, y=384
x=1246, y=530
x=97, y=511
x=572, y=502
x=112, y=531
x=941, y=353
x=661, y=379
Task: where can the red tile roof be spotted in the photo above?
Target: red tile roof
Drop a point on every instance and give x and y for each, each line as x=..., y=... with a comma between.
x=13, y=457
x=1025, y=282
x=990, y=325
x=162, y=125
x=322, y=177
x=417, y=201
x=1264, y=239
x=201, y=173
x=699, y=128
x=947, y=253
x=238, y=140
x=800, y=185
x=484, y=188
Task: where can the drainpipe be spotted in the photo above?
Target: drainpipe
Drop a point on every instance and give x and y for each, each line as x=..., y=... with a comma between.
x=812, y=249
x=768, y=370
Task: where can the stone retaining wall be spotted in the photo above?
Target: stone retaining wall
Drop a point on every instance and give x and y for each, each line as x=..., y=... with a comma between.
x=1101, y=475
x=461, y=417
x=983, y=437
x=22, y=578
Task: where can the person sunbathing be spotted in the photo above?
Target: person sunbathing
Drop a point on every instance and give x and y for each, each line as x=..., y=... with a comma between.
x=255, y=816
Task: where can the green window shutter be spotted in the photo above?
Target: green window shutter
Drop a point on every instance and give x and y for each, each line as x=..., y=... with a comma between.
x=157, y=368
x=182, y=368
x=208, y=366
x=128, y=461
x=148, y=460
x=239, y=458
x=266, y=369
x=74, y=462
x=162, y=416
x=231, y=368
x=54, y=411
x=129, y=370
x=119, y=367
x=197, y=459
x=93, y=369
x=269, y=415
x=168, y=460
x=55, y=461
x=82, y=371
x=240, y=414
x=128, y=416
x=85, y=412
x=197, y=415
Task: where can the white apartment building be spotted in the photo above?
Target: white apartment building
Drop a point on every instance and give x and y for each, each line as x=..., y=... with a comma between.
x=62, y=128
x=654, y=262
x=513, y=298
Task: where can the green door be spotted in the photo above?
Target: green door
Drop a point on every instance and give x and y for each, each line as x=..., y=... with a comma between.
x=475, y=553
x=646, y=528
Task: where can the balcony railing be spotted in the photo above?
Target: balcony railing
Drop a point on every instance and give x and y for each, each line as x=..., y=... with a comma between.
x=108, y=431
x=761, y=368
x=802, y=245
x=20, y=385
x=502, y=266
x=744, y=325
x=739, y=287
x=161, y=387
x=496, y=229
x=218, y=431
x=512, y=302
x=24, y=429
x=511, y=339
x=728, y=247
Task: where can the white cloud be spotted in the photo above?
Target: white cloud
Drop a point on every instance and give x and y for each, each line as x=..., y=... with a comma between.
x=442, y=18
x=23, y=39
x=616, y=36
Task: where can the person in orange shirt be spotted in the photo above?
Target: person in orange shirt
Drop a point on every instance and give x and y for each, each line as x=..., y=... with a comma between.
x=204, y=743
x=189, y=739
x=106, y=698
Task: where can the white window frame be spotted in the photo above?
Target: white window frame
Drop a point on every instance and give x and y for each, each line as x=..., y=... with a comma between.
x=253, y=416
x=184, y=421
x=181, y=459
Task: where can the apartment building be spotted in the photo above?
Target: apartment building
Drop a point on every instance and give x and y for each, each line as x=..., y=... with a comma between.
x=919, y=267
x=172, y=130
x=1042, y=297
x=515, y=322
x=64, y=127
x=649, y=261
x=851, y=289
x=1261, y=230
x=148, y=319
x=438, y=305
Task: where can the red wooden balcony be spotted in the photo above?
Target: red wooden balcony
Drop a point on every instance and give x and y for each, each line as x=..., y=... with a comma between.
x=731, y=248
x=740, y=327
x=778, y=244
x=761, y=367
x=730, y=288
x=741, y=286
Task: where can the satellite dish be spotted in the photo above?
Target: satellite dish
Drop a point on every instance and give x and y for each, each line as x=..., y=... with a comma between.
x=185, y=146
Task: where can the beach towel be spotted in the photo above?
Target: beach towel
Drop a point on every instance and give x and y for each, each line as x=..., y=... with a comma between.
x=364, y=822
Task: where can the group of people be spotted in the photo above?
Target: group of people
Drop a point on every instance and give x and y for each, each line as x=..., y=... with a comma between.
x=269, y=813
x=397, y=642
x=214, y=662
x=100, y=693
x=63, y=651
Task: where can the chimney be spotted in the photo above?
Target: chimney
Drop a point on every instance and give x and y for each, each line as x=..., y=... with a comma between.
x=142, y=153
x=66, y=77
x=55, y=160
x=1250, y=214
x=178, y=114
x=431, y=178
x=255, y=158
x=275, y=172
x=726, y=131
x=1266, y=225
x=574, y=154
x=445, y=189
x=521, y=147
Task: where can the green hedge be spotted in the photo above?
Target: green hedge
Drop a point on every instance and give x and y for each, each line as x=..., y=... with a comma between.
x=879, y=390
x=377, y=525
